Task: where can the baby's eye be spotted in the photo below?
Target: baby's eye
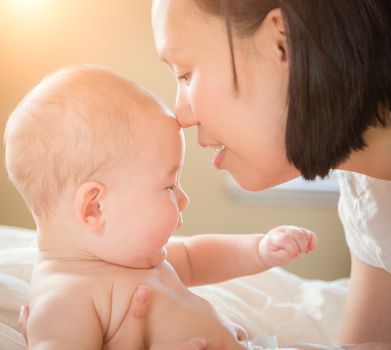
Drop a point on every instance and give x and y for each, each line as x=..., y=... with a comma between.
x=184, y=77
x=171, y=188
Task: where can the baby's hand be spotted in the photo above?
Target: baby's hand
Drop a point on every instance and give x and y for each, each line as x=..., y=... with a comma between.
x=284, y=243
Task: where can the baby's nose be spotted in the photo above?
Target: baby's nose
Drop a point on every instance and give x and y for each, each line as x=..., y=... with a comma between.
x=183, y=200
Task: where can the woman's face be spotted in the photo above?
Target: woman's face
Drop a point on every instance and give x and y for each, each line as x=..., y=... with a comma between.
x=249, y=123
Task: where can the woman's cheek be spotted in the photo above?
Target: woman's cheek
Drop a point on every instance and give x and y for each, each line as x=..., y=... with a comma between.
x=197, y=96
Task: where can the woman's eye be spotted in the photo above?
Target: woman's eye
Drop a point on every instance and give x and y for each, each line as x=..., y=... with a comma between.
x=171, y=188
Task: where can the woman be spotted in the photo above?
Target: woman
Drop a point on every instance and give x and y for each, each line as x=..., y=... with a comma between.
x=289, y=87
x=283, y=88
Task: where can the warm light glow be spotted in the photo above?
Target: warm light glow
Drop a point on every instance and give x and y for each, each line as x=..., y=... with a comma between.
x=25, y=5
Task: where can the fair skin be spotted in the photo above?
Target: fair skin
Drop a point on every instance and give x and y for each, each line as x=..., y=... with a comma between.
x=104, y=238
x=250, y=126
x=253, y=145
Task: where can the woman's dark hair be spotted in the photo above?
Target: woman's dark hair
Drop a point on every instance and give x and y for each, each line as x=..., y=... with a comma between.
x=340, y=71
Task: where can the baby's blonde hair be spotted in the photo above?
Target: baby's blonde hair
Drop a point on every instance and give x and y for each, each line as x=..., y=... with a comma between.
x=73, y=126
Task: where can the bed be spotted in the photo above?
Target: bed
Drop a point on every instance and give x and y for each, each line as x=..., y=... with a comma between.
x=276, y=302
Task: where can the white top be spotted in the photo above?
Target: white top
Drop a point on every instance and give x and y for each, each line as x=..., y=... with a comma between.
x=365, y=211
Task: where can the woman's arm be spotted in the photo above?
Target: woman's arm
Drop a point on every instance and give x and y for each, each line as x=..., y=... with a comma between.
x=367, y=315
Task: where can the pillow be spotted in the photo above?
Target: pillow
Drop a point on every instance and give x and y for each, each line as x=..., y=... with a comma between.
x=17, y=255
x=11, y=339
x=18, y=250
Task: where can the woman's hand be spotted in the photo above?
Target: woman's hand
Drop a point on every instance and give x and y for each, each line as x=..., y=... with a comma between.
x=22, y=320
x=130, y=335
x=192, y=344
x=366, y=346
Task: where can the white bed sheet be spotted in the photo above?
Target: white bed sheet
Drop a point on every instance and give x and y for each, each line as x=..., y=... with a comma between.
x=277, y=302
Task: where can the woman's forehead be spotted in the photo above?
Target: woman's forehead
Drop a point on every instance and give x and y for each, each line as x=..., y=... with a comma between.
x=168, y=20
x=179, y=26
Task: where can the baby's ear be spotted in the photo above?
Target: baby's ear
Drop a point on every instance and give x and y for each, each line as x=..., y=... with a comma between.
x=88, y=205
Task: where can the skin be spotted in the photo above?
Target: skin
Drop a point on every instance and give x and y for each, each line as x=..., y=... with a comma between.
x=251, y=126
x=253, y=145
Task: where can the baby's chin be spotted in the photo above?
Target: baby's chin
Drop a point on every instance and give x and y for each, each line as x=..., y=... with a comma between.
x=158, y=258
x=141, y=263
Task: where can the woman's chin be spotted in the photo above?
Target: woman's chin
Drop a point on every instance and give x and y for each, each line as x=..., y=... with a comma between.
x=250, y=184
x=256, y=181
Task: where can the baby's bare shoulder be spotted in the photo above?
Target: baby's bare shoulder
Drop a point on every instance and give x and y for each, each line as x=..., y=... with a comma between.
x=89, y=287
x=122, y=283
x=106, y=289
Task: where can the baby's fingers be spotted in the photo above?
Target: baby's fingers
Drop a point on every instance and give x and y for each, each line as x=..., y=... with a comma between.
x=281, y=257
x=307, y=240
x=313, y=242
x=304, y=239
x=284, y=242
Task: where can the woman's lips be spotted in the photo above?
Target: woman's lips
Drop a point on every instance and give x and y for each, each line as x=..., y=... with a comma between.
x=218, y=159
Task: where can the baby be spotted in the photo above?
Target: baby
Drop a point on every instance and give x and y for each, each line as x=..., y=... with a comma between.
x=98, y=161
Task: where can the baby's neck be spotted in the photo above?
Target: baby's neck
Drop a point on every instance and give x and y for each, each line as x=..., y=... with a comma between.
x=58, y=240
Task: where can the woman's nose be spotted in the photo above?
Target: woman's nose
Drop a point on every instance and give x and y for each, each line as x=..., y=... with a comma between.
x=183, y=111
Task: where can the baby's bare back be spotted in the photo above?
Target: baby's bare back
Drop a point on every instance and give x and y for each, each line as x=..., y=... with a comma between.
x=104, y=291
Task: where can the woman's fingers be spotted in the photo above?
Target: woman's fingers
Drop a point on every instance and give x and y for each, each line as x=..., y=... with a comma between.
x=366, y=346
x=139, y=305
x=130, y=335
x=192, y=344
x=134, y=327
x=22, y=320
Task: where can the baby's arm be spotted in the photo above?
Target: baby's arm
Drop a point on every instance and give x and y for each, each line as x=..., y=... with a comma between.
x=60, y=321
x=212, y=258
